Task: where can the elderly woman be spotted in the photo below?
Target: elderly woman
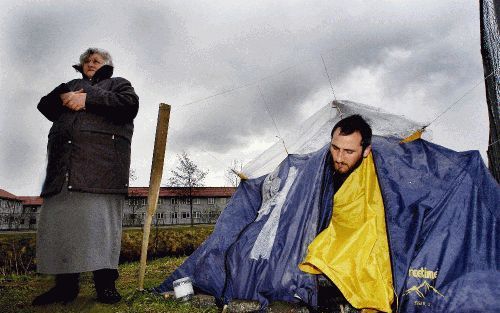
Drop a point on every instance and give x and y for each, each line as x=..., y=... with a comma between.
x=87, y=179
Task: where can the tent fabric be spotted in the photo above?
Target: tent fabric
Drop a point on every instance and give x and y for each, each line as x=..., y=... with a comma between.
x=353, y=251
x=262, y=235
x=314, y=133
x=441, y=211
x=207, y=265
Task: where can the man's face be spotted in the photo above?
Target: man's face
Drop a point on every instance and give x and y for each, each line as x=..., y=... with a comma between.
x=347, y=151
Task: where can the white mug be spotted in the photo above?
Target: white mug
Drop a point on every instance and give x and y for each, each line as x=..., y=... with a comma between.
x=183, y=289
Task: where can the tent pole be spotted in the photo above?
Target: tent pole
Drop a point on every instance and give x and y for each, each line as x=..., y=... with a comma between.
x=154, y=183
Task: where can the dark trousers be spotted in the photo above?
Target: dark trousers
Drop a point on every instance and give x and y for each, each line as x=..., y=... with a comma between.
x=330, y=298
x=103, y=278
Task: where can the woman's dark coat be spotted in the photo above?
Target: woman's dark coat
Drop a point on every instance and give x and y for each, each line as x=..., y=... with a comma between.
x=90, y=148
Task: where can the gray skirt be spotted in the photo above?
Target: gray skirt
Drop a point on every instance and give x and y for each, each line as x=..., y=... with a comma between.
x=79, y=232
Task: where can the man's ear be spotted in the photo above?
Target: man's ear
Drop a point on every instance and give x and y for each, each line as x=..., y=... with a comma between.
x=367, y=151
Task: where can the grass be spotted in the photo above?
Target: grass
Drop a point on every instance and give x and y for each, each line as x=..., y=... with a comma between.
x=17, y=292
x=19, y=284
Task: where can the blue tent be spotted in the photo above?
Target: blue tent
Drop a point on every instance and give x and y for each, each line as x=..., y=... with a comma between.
x=441, y=208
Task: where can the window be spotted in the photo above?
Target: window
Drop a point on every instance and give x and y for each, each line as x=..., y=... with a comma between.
x=161, y=200
x=185, y=215
x=196, y=214
x=173, y=214
x=159, y=216
x=196, y=201
x=174, y=201
x=211, y=200
x=136, y=201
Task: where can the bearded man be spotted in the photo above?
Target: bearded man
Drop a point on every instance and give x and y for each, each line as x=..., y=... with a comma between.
x=351, y=142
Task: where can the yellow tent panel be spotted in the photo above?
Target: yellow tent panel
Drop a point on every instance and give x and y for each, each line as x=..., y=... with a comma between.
x=353, y=250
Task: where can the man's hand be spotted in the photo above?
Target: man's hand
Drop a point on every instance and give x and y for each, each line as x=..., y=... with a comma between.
x=75, y=100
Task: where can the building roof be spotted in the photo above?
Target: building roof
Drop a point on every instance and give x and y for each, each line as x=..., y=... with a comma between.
x=29, y=200
x=139, y=192
x=181, y=191
x=26, y=200
x=7, y=195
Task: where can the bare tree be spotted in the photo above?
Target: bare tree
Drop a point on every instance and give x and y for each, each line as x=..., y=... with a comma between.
x=231, y=175
x=187, y=175
x=135, y=204
x=14, y=214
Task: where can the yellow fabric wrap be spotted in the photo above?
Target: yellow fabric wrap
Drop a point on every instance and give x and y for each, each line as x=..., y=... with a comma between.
x=353, y=250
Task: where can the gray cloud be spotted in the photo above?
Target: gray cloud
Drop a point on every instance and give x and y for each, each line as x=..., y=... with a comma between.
x=414, y=58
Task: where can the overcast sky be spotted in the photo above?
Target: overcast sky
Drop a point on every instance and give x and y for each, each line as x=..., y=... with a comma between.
x=413, y=58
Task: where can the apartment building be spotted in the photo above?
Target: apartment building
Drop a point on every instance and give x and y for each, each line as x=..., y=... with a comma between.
x=176, y=203
x=174, y=207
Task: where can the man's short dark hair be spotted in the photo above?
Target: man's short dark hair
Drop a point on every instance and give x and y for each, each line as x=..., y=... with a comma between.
x=352, y=124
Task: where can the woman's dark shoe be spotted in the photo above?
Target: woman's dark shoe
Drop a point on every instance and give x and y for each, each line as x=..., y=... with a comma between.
x=108, y=295
x=104, y=281
x=65, y=291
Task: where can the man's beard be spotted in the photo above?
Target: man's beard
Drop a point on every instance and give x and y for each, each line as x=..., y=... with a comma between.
x=351, y=169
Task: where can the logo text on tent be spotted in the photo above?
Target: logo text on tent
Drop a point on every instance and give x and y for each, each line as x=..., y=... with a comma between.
x=422, y=273
x=425, y=277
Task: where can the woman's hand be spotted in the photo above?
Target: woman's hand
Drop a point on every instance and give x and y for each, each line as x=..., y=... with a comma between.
x=74, y=100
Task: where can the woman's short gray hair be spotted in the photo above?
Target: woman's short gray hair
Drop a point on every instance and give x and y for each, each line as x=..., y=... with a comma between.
x=105, y=55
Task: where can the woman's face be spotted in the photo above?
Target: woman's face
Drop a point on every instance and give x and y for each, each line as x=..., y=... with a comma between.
x=94, y=62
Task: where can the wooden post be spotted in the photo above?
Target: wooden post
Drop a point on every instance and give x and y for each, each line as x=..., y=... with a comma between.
x=154, y=183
